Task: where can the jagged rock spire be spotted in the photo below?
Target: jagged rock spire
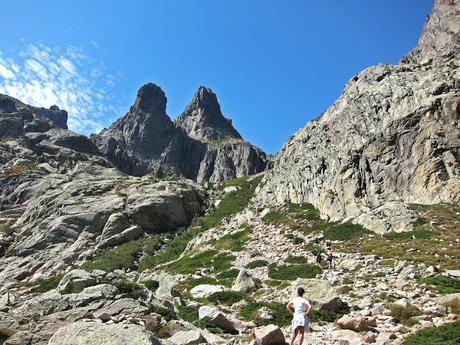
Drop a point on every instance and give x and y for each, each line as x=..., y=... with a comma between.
x=202, y=119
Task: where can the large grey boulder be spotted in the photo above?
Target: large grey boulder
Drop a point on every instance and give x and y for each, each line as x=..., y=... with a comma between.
x=243, y=282
x=217, y=318
x=318, y=292
x=90, y=333
x=76, y=281
x=205, y=290
x=392, y=136
x=357, y=324
x=269, y=335
x=188, y=338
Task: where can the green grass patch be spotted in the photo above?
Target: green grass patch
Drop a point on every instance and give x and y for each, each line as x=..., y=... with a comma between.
x=313, y=248
x=295, y=239
x=443, y=284
x=322, y=315
x=344, y=231
x=122, y=256
x=292, y=272
x=42, y=285
x=152, y=285
x=188, y=313
x=233, y=242
x=133, y=290
x=448, y=334
x=232, y=203
x=227, y=298
x=211, y=259
x=281, y=317
x=296, y=259
x=410, y=235
x=229, y=274
x=206, y=323
x=403, y=314
x=7, y=230
x=166, y=313
x=257, y=263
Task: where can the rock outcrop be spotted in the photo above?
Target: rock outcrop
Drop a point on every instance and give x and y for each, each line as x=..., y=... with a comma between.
x=202, y=145
x=393, y=137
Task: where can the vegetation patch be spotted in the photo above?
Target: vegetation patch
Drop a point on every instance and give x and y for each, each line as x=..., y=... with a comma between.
x=122, y=256
x=212, y=259
x=404, y=314
x=227, y=298
x=166, y=313
x=42, y=285
x=206, y=323
x=188, y=313
x=313, y=248
x=448, y=334
x=443, y=284
x=20, y=169
x=292, y=272
x=130, y=288
x=7, y=230
x=296, y=260
x=152, y=285
x=295, y=239
x=344, y=231
x=229, y=274
x=232, y=203
x=409, y=235
x=257, y=263
x=322, y=315
x=233, y=242
x=304, y=217
x=281, y=317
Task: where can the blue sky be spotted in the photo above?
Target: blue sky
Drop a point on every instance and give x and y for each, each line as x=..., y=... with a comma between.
x=273, y=64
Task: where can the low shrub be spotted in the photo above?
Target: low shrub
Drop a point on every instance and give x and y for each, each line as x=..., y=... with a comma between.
x=233, y=242
x=230, y=274
x=188, y=313
x=403, y=314
x=322, y=315
x=443, y=284
x=292, y=272
x=133, y=290
x=448, y=334
x=206, y=323
x=295, y=239
x=313, y=248
x=152, y=285
x=344, y=231
x=212, y=259
x=408, y=235
x=227, y=298
x=42, y=285
x=257, y=263
x=166, y=313
x=281, y=316
x=296, y=260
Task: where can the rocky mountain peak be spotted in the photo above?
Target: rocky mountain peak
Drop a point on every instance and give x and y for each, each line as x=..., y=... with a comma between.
x=441, y=33
x=150, y=99
x=202, y=119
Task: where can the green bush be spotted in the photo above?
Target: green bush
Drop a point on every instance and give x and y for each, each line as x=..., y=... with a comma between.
x=276, y=217
x=281, y=316
x=416, y=234
x=313, y=248
x=227, y=298
x=304, y=211
x=188, y=264
x=448, y=334
x=166, y=313
x=403, y=314
x=206, y=323
x=344, y=231
x=295, y=239
x=318, y=315
x=133, y=290
x=443, y=284
x=233, y=242
x=292, y=272
x=152, y=285
x=42, y=285
x=122, y=256
x=296, y=260
x=257, y=263
x=188, y=313
x=229, y=274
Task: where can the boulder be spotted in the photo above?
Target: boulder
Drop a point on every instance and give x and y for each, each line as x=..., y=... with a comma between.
x=75, y=281
x=90, y=333
x=346, y=337
x=319, y=292
x=217, y=318
x=453, y=273
x=357, y=324
x=188, y=338
x=243, y=282
x=269, y=335
x=205, y=290
x=450, y=301
x=350, y=265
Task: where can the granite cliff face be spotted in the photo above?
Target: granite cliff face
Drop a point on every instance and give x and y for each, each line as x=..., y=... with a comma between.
x=392, y=138
x=201, y=145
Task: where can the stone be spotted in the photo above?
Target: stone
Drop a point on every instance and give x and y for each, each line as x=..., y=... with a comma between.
x=319, y=292
x=357, y=324
x=76, y=281
x=346, y=337
x=205, y=290
x=269, y=335
x=453, y=273
x=450, y=301
x=243, y=282
x=188, y=338
x=349, y=264
x=217, y=318
x=89, y=333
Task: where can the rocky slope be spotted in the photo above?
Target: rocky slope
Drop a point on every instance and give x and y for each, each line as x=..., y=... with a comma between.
x=392, y=138
x=201, y=145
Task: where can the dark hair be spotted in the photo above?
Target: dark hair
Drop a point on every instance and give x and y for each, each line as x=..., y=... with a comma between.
x=300, y=291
